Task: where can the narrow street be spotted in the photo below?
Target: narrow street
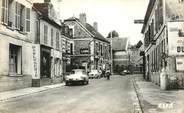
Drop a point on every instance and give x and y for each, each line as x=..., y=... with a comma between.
x=100, y=96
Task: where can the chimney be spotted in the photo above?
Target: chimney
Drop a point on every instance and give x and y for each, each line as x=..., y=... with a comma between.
x=95, y=25
x=82, y=18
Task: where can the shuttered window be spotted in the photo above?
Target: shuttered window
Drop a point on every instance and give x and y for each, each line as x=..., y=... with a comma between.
x=17, y=15
x=57, y=40
x=52, y=36
x=27, y=19
x=45, y=34
x=4, y=16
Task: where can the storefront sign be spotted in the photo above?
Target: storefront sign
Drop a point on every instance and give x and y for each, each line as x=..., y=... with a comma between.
x=180, y=63
x=84, y=51
x=175, y=39
x=35, y=50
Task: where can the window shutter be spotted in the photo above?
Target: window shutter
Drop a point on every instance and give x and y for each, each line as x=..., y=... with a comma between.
x=23, y=13
x=17, y=15
x=4, y=17
x=45, y=34
x=28, y=19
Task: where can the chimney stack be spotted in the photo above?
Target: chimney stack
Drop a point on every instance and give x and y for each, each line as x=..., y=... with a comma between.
x=82, y=18
x=95, y=25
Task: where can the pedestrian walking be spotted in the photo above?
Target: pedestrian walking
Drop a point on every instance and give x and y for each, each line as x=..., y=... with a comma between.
x=108, y=73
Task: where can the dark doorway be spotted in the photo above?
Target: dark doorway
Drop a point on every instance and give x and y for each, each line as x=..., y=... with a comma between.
x=45, y=62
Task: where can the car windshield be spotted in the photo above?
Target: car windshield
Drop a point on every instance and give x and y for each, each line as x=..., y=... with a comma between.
x=78, y=71
x=94, y=71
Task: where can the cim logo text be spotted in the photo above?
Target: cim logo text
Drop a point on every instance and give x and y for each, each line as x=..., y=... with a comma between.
x=165, y=105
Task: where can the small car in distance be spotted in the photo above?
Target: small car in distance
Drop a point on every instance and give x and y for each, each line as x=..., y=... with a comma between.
x=124, y=72
x=94, y=74
x=77, y=76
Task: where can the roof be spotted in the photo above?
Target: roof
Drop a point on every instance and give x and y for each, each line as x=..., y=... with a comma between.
x=95, y=33
x=119, y=44
x=148, y=13
x=90, y=29
x=43, y=11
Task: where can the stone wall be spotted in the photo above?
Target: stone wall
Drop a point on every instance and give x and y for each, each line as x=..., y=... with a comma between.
x=13, y=83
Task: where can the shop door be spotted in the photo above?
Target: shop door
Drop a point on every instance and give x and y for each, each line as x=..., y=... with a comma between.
x=45, y=63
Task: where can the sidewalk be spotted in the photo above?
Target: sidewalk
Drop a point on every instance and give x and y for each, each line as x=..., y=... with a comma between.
x=4, y=96
x=155, y=100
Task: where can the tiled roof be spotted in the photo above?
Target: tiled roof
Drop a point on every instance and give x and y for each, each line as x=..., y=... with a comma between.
x=96, y=34
x=119, y=44
x=89, y=29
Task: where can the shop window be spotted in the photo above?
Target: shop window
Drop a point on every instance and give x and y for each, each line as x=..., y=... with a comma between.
x=14, y=59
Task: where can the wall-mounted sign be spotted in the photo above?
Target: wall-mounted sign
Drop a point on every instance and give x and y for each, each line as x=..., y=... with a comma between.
x=180, y=63
x=84, y=51
x=36, y=54
x=175, y=40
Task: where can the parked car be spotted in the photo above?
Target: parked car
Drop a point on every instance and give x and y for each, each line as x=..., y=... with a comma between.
x=77, y=75
x=124, y=72
x=94, y=74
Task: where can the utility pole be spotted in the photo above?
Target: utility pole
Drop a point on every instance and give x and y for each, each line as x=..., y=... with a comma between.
x=111, y=56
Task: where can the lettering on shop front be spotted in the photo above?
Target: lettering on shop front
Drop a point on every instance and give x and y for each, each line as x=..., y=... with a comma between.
x=35, y=61
x=180, y=49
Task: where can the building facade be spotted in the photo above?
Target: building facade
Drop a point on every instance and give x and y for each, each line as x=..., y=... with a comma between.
x=163, y=41
x=91, y=49
x=53, y=46
x=16, y=43
x=136, y=59
x=120, y=54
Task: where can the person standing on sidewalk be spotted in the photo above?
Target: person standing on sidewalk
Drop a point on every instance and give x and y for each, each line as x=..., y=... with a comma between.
x=108, y=73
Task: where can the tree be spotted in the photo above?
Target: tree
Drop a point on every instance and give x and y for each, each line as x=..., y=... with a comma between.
x=114, y=34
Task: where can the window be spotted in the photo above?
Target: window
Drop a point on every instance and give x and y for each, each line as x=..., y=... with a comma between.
x=45, y=34
x=17, y=15
x=52, y=35
x=71, y=49
x=4, y=17
x=57, y=40
x=14, y=59
x=10, y=13
x=101, y=49
x=180, y=33
x=27, y=19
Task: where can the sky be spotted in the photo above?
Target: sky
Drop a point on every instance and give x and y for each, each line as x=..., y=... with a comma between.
x=110, y=15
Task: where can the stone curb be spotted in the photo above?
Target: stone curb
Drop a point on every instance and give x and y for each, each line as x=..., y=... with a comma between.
x=26, y=92
x=137, y=105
